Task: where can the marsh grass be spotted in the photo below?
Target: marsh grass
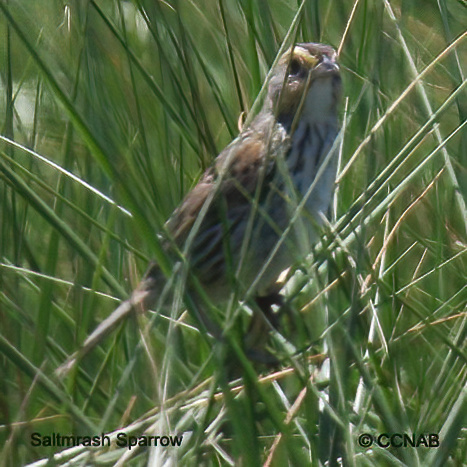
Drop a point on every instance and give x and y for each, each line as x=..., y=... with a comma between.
x=110, y=111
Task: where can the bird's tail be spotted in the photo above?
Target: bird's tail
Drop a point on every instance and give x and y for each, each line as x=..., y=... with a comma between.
x=140, y=299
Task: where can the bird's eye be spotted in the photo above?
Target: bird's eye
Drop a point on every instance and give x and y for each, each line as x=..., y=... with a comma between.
x=295, y=67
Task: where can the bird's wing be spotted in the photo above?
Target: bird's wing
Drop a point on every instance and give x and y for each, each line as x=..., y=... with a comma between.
x=239, y=172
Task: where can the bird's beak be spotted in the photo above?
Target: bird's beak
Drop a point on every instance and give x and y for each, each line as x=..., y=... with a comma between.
x=327, y=66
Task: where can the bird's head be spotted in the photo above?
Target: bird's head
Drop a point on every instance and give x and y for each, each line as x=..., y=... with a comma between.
x=305, y=80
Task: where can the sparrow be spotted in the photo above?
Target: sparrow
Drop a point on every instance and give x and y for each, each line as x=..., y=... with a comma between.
x=257, y=210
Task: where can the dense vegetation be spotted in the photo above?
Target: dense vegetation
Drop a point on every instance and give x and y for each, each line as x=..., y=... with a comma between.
x=109, y=112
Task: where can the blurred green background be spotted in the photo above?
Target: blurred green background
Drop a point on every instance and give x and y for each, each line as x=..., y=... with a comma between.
x=109, y=113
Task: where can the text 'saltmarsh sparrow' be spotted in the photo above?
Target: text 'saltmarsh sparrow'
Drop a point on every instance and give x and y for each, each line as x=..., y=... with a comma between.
x=255, y=212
